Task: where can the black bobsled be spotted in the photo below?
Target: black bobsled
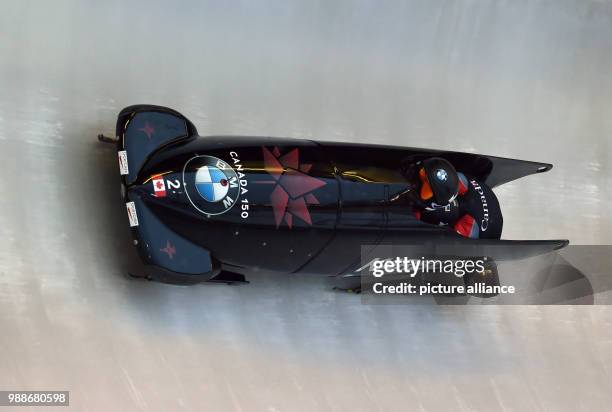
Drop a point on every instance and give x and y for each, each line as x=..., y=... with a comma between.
x=211, y=208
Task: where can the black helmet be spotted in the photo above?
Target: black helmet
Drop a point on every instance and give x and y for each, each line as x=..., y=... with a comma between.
x=440, y=183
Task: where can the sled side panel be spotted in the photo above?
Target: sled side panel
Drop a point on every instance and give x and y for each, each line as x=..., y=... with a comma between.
x=493, y=170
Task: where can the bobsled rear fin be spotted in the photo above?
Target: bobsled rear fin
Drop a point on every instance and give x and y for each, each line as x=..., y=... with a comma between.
x=499, y=249
x=167, y=255
x=143, y=129
x=493, y=170
x=506, y=170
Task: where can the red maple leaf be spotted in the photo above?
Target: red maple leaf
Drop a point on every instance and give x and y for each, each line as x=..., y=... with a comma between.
x=292, y=192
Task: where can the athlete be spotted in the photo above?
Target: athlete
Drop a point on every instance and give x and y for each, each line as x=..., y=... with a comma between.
x=448, y=198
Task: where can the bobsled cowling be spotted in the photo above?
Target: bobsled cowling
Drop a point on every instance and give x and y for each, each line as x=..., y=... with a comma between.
x=208, y=208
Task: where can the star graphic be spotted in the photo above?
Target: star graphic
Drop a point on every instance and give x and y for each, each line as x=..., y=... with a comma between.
x=147, y=129
x=169, y=249
x=293, y=188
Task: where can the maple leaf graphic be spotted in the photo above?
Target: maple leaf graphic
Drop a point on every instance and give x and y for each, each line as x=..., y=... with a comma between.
x=170, y=250
x=148, y=130
x=292, y=192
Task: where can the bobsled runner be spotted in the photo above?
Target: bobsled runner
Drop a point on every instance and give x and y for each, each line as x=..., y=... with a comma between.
x=214, y=208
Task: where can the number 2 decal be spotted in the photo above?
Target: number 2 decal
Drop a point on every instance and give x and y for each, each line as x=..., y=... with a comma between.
x=175, y=185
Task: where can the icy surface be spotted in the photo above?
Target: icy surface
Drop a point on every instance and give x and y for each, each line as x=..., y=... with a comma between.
x=528, y=79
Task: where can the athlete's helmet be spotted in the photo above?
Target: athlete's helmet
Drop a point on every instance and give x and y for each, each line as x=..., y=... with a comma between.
x=439, y=181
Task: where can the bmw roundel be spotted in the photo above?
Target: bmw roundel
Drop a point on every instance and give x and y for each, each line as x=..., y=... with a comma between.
x=441, y=175
x=211, y=185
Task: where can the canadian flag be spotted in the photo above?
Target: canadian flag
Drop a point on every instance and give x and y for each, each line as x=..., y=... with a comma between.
x=159, y=186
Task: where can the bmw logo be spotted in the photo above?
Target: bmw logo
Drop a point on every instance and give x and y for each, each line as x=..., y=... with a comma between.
x=441, y=175
x=211, y=185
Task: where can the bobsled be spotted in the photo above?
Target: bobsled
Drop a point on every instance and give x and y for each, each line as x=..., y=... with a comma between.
x=215, y=208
